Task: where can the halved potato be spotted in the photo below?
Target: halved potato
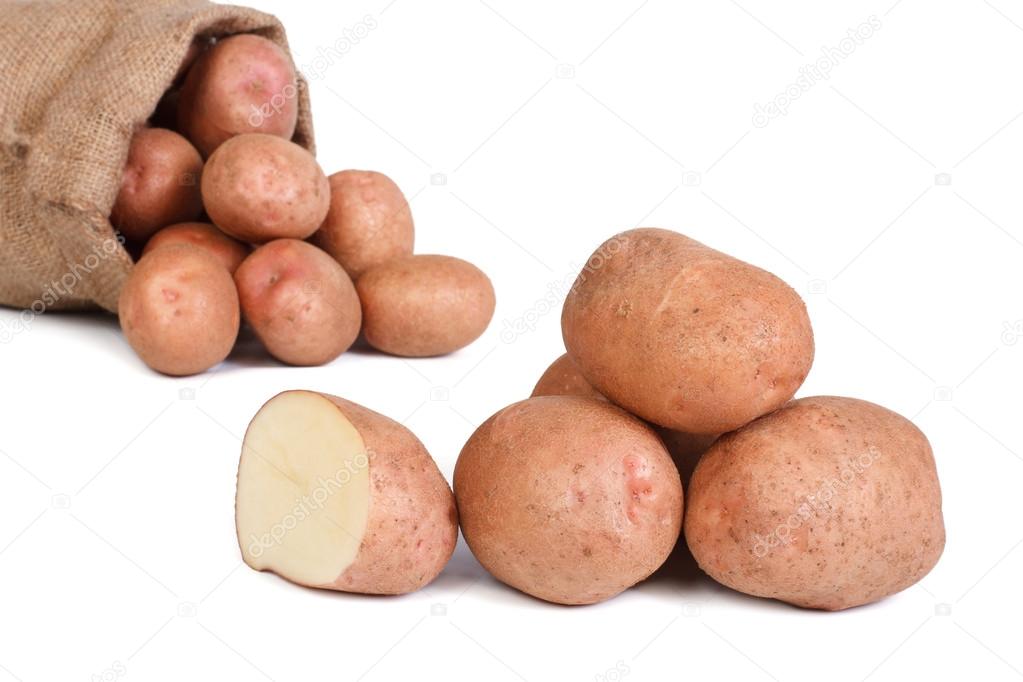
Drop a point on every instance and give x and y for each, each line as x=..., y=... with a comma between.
x=333, y=495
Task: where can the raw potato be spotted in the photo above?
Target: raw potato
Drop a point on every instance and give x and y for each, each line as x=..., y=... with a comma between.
x=243, y=84
x=827, y=503
x=564, y=378
x=160, y=184
x=333, y=495
x=179, y=310
x=420, y=306
x=369, y=221
x=568, y=499
x=683, y=335
x=259, y=187
x=230, y=252
x=299, y=301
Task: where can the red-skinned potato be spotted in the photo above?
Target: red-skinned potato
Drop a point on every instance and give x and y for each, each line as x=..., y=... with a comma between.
x=369, y=221
x=242, y=84
x=421, y=306
x=299, y=302
x=568, y=499
x=159, y=186
x=564, y=378
x=259, y=187
x=230, y=252
x=827, y=503
x=179, y=310
x=685, y=336
x=336, y=496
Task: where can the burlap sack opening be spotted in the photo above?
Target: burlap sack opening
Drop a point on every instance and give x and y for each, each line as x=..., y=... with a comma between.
x=78, y=77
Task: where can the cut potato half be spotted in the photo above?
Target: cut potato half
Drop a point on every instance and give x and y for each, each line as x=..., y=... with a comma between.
x=333, y=495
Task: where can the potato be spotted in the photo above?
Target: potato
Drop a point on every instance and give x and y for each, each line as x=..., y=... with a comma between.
x=827, y=503
x=299, y=301
x=568, y=499
x=685, y=336
x=230, y=252
x=564, y=378
x=243, y=84
x=369, y=221
x=159, y=186
x=179, y=310
x=420, y=306
x=333, y=495
x=259, y=187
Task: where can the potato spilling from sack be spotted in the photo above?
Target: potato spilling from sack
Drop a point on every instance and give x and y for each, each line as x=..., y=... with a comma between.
x=827, y=503
x=333, y=495
x=685, y=336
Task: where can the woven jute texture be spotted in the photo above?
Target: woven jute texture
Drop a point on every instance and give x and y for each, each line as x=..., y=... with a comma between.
x=77, y=77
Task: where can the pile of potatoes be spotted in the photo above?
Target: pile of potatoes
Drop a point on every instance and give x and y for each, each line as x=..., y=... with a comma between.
x=235, y=222
x=681, y=369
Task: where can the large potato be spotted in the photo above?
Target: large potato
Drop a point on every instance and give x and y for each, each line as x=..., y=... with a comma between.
x=259, y=187
x=179, y=310
x=243, y=84
x=299, y=301
x=230, y=252
x=334, y=495
x=564, y=378
x=827, y=503
x=420, y=306
x=683, y=335
x=159, y=185
x=568, y=499
x=368, y=223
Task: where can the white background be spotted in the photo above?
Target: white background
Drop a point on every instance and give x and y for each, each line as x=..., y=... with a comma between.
x=545, y=128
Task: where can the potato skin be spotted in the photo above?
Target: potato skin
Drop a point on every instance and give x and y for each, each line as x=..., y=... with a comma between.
x=564, y=378
x=230, y=252
x=299, y=301
x=179, y=310
x=258, y=187
x=420, y=306
x=413, y=524
x=685, y=336
x=369, y=221
x=828, y=503
x=242, y=84
x=159, y=186
x=568, y=499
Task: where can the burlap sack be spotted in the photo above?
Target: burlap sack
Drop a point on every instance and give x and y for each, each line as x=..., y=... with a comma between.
x=76, y=78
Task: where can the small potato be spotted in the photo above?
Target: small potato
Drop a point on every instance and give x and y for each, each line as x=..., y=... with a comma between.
x=369, y=222
x=564, y=378
x=160, y=184
x=336, y=496
x=827, y=503
x=242, y=84
x=299, y=301
x=230, y=252
x=685, y=336
x=568, y=499
x=420, y=306
x=179, y=310
x=259, y=187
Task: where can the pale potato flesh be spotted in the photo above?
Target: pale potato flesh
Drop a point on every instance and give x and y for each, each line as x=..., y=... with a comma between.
x=303, y=490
